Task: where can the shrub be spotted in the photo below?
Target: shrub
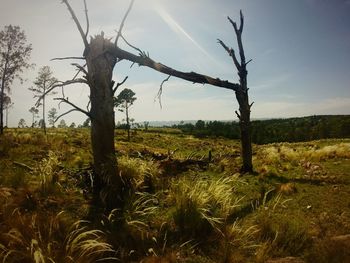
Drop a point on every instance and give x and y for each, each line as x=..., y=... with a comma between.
x=283, y=236
x=143, y=175
x=46, y=238
x=203, y=205
x=48, y=173
x=329, y=250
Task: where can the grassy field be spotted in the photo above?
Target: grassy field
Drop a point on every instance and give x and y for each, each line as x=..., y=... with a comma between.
x=182, y=207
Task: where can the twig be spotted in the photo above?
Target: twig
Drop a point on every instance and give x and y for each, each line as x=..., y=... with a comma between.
x=239, y=116
x=239, y=36
x=64, y=114
x=250, y=60
x=87, y=20
x=132, y=46
x=63, y=92
x=160, y=91
x=60, y=84
x=231, y=53
x=74, y=106
x=88, y=105
x=77, y=23
x=119, y=84
x=123, y=21
x=23, y=166
x=80, y=69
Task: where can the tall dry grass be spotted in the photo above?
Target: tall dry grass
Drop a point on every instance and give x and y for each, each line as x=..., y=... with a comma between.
x=203, y=205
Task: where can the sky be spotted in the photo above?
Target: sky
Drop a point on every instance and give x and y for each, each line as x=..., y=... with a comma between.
x=300, y=51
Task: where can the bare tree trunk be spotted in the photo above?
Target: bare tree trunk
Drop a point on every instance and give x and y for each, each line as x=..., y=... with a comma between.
x=2, y=110
x=108, y=185
x=44, y=122
x=127, y=120
x=7, y=116
x=242, y=96
x=245, y=127
x=2, y=103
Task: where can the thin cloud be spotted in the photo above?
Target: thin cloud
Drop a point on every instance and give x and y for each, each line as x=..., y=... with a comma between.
x=178, y=29
x=181, y=32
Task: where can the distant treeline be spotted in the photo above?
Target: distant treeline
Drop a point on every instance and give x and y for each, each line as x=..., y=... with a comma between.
x=276, y=130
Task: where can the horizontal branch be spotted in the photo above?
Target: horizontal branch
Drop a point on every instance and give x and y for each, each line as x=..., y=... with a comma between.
x=76, y=108
x=66, y=83
x=23, y=165
x=144, y=60
x=60, y=116
x=61, y=84
x=65, y=58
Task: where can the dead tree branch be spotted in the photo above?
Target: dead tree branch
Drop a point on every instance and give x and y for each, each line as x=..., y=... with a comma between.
x=87, y=20
x=23, y=165
x=119, y=84
x=132, y=46
x=88, y=105
x=76, y=108
x=160, y=91
x=80, y=69
x=231, y=53
x=145, y=60
x=238, y=32
x=77, y=23
x=60, y=84
x=123, y=21
x=65, y=58
x=60, y=116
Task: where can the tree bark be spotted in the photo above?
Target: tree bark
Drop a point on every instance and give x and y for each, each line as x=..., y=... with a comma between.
x=127, y=119
x=2, y=100
x=44, y=122
x=242, y=97
x=245, y=127
x=108, y=185
x=2, y=107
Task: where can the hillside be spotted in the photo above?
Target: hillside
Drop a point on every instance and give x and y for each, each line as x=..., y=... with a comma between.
x=188, y=202
x=276, y=130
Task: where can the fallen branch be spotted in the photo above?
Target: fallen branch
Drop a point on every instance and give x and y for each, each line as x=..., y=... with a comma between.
x=22, y=165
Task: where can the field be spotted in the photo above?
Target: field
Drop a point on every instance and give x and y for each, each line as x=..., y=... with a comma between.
x=187, y=203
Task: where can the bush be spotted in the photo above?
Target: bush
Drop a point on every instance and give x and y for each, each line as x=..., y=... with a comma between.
x=283, y=236
x=203, y=205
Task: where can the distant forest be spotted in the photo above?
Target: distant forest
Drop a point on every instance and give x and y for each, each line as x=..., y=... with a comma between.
x=276, y=130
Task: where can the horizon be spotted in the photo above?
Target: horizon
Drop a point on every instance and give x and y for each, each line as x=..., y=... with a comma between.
x=164, y=123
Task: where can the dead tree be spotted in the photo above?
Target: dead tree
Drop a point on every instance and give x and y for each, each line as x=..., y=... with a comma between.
x=101, y=55
x=241, y=89
x=242, y=96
